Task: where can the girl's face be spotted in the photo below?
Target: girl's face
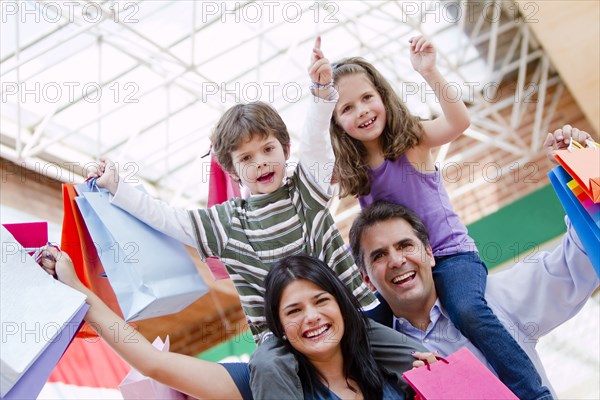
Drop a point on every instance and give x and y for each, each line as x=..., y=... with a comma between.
x=360, y=110
x=311, y=319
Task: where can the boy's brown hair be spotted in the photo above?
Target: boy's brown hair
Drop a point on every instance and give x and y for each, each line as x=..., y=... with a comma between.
x=402, y=130
x=240, y=124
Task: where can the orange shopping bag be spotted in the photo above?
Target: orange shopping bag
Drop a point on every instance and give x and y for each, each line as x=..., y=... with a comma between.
x=583, y=164
x=77, y=242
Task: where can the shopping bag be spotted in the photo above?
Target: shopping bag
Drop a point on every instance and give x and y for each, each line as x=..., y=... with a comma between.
x=151, y=273
x=220, y=189
x=136, y=386
x=77, y=242
x=459, y=376
x=593, y=209
x=34, y=309
x=583, y=164
x=587, y=231
x=29, y=234
x=32, y=382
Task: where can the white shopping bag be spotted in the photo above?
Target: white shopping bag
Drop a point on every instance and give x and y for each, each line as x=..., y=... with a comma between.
x=34, y=310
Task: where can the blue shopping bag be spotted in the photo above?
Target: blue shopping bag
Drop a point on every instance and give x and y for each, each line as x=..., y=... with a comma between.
x=582, y=221
x=151, y=273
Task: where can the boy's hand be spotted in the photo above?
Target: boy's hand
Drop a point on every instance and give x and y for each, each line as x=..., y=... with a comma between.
x=561, y=138
x=106, y=174
x=422, y=55
x=320, y=71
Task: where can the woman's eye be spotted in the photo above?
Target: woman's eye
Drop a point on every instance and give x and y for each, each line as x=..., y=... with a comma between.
x=368, y=96
x=245, y=158
x=323, y=300
x=293, y=311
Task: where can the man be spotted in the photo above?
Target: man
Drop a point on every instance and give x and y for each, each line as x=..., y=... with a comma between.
x=391, y=248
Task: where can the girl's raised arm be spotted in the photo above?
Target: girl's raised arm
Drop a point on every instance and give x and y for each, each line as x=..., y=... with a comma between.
x=455, y=119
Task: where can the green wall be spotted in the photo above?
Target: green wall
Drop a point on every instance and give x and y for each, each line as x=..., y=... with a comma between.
x=517, y=229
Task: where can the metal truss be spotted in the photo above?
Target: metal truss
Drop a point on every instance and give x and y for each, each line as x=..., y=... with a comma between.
x=187, y=61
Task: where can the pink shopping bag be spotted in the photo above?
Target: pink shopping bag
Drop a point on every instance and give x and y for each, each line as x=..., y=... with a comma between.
x=459, y=376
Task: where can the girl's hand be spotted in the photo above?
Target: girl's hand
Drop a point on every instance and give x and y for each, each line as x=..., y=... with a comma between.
x=561, y=138
x=106, y=174
x=319, y=70
x=422, y=55
x=58, y=264
x=421, y=357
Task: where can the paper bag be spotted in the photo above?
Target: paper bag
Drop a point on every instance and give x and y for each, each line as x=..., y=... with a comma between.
x=151, y=273
x=584, y=166
x=136, y=386
x=34, y=308
x=460, y=376
x=587, y=231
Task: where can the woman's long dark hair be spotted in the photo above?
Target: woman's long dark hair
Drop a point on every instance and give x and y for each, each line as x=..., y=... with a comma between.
x=359, y=364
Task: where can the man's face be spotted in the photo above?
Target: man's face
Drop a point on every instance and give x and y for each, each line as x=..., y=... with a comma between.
x=398, y=266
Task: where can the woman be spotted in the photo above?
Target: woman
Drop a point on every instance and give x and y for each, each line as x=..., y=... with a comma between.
x=306, y=305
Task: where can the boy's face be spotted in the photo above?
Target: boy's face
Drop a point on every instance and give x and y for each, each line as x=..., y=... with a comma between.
x=260, y=163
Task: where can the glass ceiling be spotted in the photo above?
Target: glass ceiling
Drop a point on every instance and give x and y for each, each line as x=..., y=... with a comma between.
x=143, y=82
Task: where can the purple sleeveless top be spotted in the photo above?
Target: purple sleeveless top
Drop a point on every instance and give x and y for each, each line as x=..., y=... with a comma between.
x=399, y=182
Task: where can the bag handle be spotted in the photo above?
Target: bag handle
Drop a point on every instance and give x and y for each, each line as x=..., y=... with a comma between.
x=91, y=183
x=437, y=358
x=588, y=142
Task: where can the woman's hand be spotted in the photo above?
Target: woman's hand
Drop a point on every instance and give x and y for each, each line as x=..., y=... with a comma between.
x=421, y=357
x=58, y=264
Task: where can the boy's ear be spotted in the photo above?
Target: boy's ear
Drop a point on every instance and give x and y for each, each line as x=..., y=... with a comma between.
x=286, y=151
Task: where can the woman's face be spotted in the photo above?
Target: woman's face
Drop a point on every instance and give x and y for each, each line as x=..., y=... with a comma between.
x=311, y=319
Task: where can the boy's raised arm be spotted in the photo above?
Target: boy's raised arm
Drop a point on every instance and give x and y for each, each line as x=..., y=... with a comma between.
x=316, y=153
x=171, y=221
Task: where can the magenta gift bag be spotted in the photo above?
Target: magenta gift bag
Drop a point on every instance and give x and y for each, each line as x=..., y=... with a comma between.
x=459, y=376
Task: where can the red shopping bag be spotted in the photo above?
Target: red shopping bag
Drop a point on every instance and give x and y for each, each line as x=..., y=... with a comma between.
x=220, y=189
x=77, y=242
x=459, y=376
x=584, y=166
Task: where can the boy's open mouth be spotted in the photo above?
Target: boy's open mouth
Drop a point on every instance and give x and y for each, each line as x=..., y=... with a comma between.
x=266, y=177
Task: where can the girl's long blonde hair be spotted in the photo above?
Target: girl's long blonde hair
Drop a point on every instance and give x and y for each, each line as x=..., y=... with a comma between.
x=402, y=130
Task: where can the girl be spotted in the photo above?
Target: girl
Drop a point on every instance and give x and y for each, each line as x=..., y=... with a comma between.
x=385, y=153
x=306, y=304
